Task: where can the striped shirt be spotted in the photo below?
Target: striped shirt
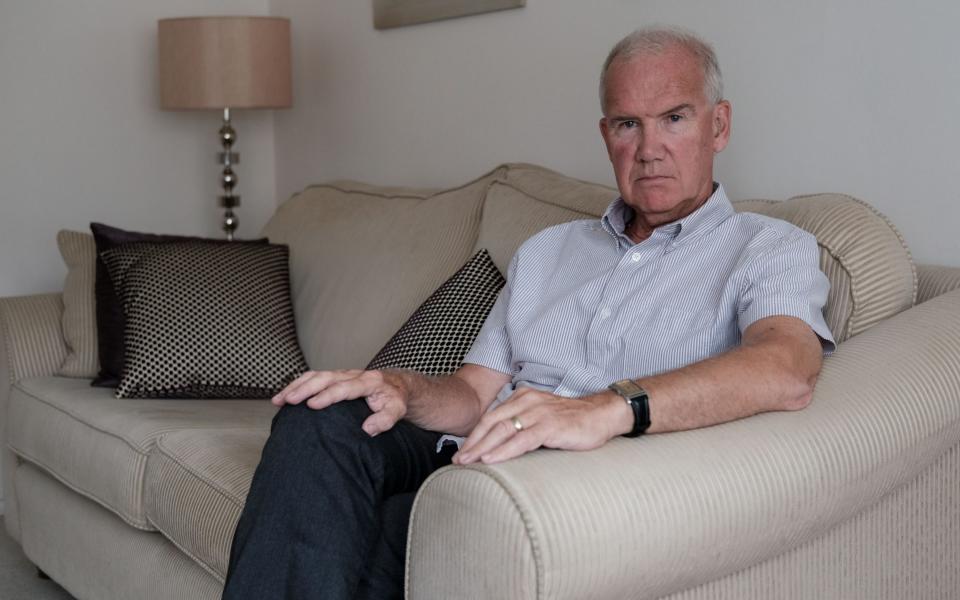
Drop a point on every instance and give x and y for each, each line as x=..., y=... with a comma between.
x=584, y=306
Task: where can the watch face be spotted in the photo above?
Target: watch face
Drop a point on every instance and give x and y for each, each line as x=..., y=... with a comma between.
x=628, y=388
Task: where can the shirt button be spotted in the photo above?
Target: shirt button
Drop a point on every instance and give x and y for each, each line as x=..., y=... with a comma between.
x=604, y=313
x=635, y=257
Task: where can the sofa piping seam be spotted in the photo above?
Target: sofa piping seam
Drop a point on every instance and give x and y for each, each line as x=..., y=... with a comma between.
x=524, y=518
x=342, y=188
x=73, y=487
x=165, y=531
x=160, y=450
x=133, y=446
x=203, y=564
x=588, y=216
x=519, y=166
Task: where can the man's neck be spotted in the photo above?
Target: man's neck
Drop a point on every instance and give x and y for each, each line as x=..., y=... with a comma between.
x=639, y=228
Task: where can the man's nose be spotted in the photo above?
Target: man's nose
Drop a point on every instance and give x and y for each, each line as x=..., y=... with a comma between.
x=649, y=146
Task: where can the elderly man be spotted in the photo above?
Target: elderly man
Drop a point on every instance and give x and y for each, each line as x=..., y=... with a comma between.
x=671, y=312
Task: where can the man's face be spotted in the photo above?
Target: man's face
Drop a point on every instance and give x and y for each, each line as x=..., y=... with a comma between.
x=661, y=134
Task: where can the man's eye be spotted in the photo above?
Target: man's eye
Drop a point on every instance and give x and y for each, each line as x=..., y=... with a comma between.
x=675, y=118
x=628, y=124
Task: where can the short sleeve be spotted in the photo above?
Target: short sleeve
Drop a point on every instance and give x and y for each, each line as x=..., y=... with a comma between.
x=492, y=347
x=786, y=280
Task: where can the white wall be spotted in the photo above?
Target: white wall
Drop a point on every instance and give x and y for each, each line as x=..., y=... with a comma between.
x=82, y=137
x=828, y=95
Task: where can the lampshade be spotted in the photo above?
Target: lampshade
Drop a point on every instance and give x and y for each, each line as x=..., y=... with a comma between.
x=224, y=62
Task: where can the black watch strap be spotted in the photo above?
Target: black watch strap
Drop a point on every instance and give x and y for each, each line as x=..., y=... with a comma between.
x=639, y=402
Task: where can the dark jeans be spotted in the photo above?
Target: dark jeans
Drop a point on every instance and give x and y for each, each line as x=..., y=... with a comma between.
x=329, y=506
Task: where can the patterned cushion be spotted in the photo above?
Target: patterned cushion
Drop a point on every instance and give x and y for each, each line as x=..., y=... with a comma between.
x=205, y=320
x=438, y=335
x=110, y=323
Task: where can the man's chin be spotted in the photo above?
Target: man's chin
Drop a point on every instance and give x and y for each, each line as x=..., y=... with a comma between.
x=652, y=198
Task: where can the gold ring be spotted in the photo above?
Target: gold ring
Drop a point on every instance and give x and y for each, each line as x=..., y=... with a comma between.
x=517, y=424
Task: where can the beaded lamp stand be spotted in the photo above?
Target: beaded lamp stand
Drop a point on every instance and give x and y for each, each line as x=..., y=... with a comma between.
x=228, y=178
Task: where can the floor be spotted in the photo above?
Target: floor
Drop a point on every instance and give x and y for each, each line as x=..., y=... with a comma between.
x=18, y=576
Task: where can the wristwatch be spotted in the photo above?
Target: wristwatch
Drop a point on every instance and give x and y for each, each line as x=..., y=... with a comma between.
x=639, y=402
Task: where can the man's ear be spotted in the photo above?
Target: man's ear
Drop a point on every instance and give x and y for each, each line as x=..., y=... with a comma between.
x=605, y=132
x=722, y=116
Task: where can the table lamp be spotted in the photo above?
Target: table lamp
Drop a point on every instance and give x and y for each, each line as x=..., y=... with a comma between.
x=225, y=63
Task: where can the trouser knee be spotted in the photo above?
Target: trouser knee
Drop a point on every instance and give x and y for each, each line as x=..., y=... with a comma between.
x=339, y=419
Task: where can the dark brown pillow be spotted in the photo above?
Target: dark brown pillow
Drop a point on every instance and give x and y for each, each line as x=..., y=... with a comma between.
x=111, y=322
x=205, y=319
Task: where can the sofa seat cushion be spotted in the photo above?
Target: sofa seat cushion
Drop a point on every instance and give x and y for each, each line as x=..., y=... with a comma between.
x=196, y=484
x=98, y=445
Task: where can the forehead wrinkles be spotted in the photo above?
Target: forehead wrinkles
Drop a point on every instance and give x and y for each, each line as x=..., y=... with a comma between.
x=654, y=82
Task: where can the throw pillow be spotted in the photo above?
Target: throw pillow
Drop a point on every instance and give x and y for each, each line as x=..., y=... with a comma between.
x=79, y=321
x=110, y=321
x=205, y=320
x=439, y=334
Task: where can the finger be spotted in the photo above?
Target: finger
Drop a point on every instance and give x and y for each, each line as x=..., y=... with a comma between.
x=279, y=396
x=500, y=432
x=309, y=384
x=518, y=403
x=318, y=381
x=338, y=391
x=384, y=419
x=518, y=445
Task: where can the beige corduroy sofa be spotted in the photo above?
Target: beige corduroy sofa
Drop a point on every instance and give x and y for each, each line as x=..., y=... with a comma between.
x=858, y=496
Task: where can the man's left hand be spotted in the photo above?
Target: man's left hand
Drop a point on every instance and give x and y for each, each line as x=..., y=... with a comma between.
x=530, y=419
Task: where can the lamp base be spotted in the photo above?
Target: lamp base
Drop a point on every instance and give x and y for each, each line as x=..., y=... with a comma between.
x=230, y=220
x=228, y=179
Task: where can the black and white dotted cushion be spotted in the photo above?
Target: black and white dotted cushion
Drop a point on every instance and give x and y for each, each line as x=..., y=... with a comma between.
x=439, y=334
x=205, y=320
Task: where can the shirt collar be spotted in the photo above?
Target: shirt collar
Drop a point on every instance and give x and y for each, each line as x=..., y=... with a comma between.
x=701, y=221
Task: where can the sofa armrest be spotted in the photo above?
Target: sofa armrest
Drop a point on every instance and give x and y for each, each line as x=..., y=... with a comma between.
x=31, y=335
x=647, y=517
x=31, y=345
x=934, y=280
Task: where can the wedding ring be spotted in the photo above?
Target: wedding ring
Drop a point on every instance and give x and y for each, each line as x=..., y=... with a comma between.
x=517, y=424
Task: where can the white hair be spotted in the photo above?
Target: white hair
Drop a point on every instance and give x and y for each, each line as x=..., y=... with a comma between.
x=655, y=40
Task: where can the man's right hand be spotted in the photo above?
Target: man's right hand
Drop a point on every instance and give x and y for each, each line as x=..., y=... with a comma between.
x=385, y=394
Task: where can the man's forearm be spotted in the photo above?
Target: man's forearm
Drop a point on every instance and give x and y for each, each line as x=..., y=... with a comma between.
x=446, y=403
x=773, y=370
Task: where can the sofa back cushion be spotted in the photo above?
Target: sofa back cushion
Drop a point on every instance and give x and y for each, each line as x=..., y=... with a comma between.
x=527, y=199
x=364, y=257
x=79, y=307
x=872, y=275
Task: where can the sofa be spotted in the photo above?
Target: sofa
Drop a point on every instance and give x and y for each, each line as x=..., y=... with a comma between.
x=857, y=496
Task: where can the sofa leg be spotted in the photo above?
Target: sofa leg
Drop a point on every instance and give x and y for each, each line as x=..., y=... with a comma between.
x=41, y=574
